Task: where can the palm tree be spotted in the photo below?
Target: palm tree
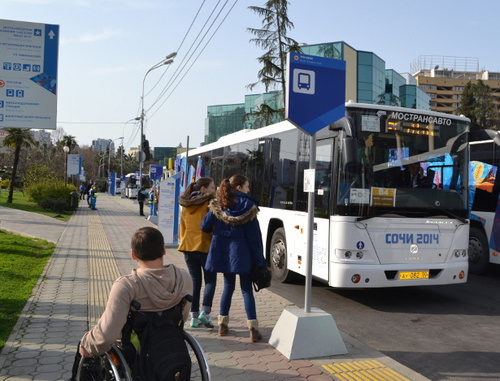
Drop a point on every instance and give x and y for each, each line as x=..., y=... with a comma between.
x=68, y=141
x=17, y=138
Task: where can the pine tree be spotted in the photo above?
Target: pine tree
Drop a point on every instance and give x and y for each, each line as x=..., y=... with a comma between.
x=272, y=38
x=477, y=105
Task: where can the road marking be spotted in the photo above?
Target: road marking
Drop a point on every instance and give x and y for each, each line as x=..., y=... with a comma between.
x=363, y=371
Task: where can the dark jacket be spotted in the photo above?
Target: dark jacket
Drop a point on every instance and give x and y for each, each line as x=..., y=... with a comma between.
x=420, y=181
x=237, y=241
x=141, y=195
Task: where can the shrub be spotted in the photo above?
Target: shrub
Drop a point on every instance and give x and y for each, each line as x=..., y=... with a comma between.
x=57, y=205
x=4, y=184
x=37, y=173
x=50, y=190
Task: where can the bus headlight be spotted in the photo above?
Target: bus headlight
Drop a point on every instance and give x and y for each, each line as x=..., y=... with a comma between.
x=456, y=253
x=359, y=255
x=348, y=254
x=355, y=278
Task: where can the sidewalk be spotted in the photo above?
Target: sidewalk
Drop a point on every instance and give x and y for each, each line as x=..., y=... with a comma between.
x=93, y=249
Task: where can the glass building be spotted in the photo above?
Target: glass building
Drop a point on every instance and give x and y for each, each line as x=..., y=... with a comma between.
x=223, y=120
x=413, y=96
x=393, y=80
x=162, y=154
x=367, y=81
x=371, y=77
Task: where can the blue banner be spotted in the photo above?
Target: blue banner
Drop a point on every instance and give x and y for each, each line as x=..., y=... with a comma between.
x=155, y=171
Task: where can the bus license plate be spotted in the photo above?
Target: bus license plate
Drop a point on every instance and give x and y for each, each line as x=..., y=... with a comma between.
x=414, y=275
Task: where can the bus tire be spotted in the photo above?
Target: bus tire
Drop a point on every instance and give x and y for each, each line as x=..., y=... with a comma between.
x=479, y=251
x=279, y=257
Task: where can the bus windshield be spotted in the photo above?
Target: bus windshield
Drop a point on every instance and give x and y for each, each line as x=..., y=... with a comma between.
x=410, y=163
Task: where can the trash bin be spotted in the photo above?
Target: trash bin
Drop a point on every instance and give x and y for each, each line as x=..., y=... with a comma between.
x=74, y=200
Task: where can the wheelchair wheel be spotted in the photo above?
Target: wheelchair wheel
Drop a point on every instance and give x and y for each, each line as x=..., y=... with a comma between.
x=111, y=366
x=199, y=364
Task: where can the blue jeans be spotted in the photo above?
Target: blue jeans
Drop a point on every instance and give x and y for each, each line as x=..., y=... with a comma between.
x=152, y=209
x=92, y=203
x=195, y=262
x=246, y=290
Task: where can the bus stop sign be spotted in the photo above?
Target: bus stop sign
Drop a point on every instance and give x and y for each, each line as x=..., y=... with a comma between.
x=315, y=91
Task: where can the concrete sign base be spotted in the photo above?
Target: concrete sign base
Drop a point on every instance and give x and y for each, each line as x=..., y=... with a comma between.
x=153, y=219
x=300, y=335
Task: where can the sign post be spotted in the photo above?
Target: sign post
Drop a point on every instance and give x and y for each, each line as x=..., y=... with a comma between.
x=112, y=184
x=315, y=98
x=28, y=74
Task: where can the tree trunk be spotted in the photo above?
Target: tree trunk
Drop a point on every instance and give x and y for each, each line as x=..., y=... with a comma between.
x=17, y=152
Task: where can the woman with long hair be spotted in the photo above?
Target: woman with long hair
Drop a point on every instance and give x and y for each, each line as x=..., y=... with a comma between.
x=236, y=247
x=195, y=243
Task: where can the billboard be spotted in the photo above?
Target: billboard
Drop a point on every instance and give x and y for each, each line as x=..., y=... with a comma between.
x=28, y=74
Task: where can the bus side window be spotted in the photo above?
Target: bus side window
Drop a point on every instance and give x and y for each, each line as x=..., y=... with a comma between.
x=486, y=193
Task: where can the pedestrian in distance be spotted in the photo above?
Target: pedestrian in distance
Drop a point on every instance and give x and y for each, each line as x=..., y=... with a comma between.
x=141, y=196
x=93, y=198
x=82, y=189
x=87, y=191
x=195, y=243
x=236, y=247
x=155, y=286
x=153, y=201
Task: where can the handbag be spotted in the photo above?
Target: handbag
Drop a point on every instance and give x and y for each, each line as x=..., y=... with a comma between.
x=261, y=278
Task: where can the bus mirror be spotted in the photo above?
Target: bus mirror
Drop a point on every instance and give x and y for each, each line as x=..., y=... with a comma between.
x=344, y=124
x=350, y=151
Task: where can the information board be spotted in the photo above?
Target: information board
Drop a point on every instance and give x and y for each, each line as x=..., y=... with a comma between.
x=168, y=209
x=28, y=74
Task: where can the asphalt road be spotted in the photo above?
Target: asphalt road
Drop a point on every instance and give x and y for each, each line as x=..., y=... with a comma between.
x=441, y=332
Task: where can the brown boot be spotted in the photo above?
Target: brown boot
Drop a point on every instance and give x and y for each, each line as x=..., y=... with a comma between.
x=223, y=325
x=253, y=327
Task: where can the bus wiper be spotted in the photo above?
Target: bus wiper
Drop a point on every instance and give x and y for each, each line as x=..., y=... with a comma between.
x=373, y=215
x=452, y=215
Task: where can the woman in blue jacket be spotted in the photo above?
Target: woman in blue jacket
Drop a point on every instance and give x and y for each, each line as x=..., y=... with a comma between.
x=236, y=247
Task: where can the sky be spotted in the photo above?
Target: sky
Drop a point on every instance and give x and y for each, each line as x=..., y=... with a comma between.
x=107, y=47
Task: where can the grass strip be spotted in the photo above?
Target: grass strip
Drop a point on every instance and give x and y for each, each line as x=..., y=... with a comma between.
x=20, y=201
x=22, y=260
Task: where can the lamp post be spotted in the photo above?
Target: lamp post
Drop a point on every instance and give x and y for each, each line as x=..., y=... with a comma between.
x=123, y=148
x=66, y=151
x=109, y=155
x=166, y=61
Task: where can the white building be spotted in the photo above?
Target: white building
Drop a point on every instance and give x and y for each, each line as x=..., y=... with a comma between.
x=102, y=145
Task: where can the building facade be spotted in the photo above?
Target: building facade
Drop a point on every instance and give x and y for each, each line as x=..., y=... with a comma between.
x=42, y=137
x=367, y=81
x=444, y=79
x=102, y=145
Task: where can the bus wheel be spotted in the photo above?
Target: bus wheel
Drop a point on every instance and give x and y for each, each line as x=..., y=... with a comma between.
x=479, y=251
x=279, y=265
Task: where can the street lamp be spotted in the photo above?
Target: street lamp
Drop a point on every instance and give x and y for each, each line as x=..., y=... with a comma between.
x=166, y=61
x=109, y=154
x=66, y=151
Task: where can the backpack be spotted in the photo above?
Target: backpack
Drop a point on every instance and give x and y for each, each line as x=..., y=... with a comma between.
x=163, y=354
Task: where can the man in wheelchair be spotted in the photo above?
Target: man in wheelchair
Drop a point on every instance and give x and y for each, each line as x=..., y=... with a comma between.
x=153, y=286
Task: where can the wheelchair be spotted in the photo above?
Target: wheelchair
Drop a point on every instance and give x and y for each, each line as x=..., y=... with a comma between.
x=113, y=366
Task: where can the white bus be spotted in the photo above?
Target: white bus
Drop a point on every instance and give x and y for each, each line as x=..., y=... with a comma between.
x=370, y=228
x=131, y=185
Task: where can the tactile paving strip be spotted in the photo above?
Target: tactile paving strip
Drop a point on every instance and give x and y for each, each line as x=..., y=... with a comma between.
x=103, y=270
x=367, y=370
